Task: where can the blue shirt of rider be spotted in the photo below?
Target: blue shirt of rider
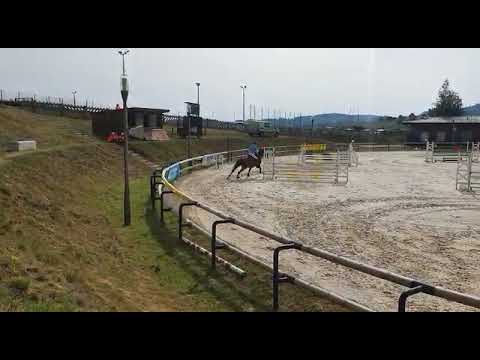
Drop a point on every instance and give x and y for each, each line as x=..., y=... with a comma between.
x=252, y=150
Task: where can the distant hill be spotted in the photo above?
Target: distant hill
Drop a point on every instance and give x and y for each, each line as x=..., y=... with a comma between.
x=472, y=110
x=337, y=119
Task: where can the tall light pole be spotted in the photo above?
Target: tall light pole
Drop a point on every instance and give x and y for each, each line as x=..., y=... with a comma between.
x=124, y=92
x=243, y=91
x=74, y=102
x=198, y=103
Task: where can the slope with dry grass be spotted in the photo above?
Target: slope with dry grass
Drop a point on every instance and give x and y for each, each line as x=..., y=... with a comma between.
x=62, y=247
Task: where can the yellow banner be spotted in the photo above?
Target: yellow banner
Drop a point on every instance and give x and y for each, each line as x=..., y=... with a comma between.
x=315, y=147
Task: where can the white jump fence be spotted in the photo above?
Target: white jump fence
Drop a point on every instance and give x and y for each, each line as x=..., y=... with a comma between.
x=352, y=156
x=476, y=151
x=449, y=152
x=468, y=173
x=322, y=167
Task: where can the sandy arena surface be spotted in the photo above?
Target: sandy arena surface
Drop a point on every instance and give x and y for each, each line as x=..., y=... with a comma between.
x=397, y=212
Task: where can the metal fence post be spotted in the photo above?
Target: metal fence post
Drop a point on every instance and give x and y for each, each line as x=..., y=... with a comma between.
x=273, y=163
x=229, y=155
x=180, y=218
x=214, y=244
x=469, y=172
x=162, y=206
x=337, y=167
x=417, y=288
x=276, y=277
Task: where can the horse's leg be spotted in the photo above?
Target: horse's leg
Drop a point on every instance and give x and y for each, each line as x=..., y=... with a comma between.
x=238, y=174
x=248, y=174
x=234, y=168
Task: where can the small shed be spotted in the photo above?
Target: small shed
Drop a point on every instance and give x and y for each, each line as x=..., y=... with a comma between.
x=139, y=119
x=146, y=117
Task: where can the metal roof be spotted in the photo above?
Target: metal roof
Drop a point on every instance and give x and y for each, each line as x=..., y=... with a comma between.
x=445, y=120
x=148, y=109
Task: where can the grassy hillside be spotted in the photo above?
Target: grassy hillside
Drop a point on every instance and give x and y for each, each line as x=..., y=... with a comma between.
x=49, y=131
x=64, y=247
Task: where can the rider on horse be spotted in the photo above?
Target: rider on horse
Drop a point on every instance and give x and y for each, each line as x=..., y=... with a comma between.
x=253, y=159
x=253, y=150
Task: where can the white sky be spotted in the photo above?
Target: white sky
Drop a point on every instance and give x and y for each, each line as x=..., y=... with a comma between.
x=307, y=81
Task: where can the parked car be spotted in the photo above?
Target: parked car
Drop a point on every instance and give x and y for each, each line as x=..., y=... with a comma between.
x=260, y=128
x=116, y=137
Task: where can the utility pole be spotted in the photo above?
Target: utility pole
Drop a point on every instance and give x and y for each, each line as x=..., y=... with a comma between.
x=198, y=103
x=126, y=193
x=243, y=91
x=254, y=113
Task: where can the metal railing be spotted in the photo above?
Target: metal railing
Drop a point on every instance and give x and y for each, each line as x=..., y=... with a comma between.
x=161, y=184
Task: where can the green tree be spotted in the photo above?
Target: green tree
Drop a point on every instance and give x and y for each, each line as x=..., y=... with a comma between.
x=448, y=102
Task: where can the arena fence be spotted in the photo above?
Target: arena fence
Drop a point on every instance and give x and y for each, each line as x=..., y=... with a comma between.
x=468, y=173
x=363, y=147
x=162, y=184
x=448, y=151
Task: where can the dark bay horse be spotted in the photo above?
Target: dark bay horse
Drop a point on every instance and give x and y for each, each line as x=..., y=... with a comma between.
x=248, y=162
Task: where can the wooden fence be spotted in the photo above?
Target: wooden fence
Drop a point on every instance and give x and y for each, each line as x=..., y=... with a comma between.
x=53, y=106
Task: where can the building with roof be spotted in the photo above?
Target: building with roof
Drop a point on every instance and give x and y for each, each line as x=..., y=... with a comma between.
x=457, y=129
x=143, y=123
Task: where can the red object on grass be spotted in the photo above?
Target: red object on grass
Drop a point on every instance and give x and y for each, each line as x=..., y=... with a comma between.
x=116, y=137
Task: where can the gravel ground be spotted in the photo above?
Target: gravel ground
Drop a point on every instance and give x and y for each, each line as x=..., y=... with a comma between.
x=397, y=212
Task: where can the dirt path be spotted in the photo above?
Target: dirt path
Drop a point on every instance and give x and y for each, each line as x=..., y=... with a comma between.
x=397, y=212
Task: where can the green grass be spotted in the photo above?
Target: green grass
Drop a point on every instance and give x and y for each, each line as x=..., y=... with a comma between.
x=48, y=131
x=64, y=247
x=180, y=270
